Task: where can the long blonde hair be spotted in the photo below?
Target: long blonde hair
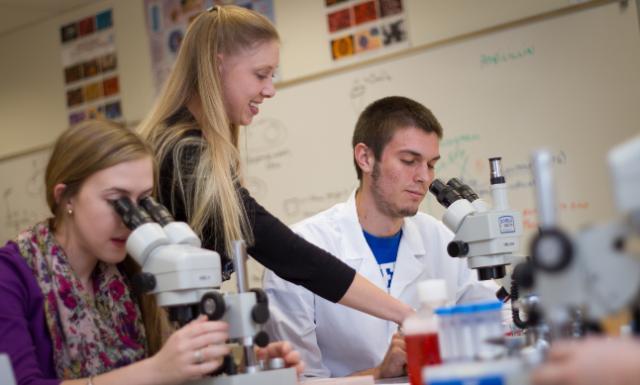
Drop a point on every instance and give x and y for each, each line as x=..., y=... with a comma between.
x=81, y=151
x=214, y=197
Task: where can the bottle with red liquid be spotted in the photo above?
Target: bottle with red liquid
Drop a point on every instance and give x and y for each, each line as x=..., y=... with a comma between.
x=421, y=329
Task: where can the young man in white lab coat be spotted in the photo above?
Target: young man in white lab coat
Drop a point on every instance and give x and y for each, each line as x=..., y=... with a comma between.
x=381, y=234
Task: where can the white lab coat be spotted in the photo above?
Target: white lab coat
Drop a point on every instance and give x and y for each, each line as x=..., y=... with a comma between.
x=336, y=341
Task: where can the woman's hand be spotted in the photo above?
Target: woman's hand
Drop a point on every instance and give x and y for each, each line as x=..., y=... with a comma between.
x=191, y=352
x=591, y=361
x=284, y=350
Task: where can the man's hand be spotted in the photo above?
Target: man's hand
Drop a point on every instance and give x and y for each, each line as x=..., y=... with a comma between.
x=394, y=362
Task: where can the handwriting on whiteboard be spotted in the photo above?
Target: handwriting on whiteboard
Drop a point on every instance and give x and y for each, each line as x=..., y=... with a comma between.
x=358, y=94
x=266, y=134
x=257, y=186
x=518, y=175
x=530, y=215
x=506, y=56
x=267, y=143
x=22, y=203
x=458, y=162
x=298, y=208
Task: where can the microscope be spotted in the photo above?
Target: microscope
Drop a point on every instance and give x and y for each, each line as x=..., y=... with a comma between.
x=186, y=278
x=596, y=272
x=486, y=236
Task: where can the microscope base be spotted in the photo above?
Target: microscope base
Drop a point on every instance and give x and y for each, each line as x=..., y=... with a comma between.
x=268, y=377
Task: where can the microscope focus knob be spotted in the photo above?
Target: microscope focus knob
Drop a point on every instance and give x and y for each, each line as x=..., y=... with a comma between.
x=551, y=250
x=260, y=311
x=143, y=282
x=458, y=248
x=261, y=296
x=261, y=339
x=212, y=305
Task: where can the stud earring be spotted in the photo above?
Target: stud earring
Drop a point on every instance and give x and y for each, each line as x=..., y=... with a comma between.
x=70, y=211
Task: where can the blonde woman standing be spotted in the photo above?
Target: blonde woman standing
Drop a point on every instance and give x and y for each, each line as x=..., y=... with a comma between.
x=68, y=313
x=223, y=73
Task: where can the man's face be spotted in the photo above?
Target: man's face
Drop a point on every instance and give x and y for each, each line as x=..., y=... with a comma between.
x=401, y=177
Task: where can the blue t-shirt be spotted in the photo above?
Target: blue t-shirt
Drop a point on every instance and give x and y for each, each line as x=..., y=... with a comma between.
x=385, y=249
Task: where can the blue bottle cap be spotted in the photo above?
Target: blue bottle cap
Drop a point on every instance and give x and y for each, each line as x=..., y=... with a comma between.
x=463, y=309
x=488, y=306
x=443, y=311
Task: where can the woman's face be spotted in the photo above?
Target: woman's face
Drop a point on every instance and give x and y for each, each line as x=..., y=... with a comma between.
x=94, y=229
x=247, y=79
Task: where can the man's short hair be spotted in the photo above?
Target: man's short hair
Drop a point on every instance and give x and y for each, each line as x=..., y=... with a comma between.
x=382, y=118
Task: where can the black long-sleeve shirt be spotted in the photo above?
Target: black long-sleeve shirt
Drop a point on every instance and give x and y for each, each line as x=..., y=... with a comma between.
x=275, y=245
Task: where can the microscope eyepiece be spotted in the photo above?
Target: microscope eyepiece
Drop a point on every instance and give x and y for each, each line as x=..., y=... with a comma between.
x=464, y=189
x=131, y=215
x=158, y=212
x=445, y=195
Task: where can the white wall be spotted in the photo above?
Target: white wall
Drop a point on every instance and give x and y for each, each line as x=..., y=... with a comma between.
x=434, y=20
x=303, y=29
x=579, y=74
x=32, y=97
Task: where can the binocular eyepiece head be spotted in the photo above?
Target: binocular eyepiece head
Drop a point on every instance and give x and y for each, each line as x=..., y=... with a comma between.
x=147, y=210
x=445, y=195
x=454, y=190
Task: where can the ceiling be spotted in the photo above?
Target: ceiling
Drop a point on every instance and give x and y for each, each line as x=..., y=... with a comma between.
x=17, y=14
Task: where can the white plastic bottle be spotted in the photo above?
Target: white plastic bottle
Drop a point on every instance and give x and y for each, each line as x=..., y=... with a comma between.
x=421, y=329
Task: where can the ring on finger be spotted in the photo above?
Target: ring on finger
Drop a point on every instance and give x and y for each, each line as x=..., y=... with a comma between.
x=199, y=357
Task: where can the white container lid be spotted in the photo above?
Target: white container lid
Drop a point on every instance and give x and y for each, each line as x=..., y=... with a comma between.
x=432, y=290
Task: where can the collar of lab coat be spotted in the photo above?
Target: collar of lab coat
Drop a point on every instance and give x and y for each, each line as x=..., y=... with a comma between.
x=409, y=264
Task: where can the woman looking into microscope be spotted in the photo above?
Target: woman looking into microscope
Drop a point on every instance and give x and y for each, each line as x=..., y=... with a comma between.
x=69, y=315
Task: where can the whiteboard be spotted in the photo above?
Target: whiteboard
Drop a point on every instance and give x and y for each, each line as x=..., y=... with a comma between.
x=22, y=199
x=570, y=83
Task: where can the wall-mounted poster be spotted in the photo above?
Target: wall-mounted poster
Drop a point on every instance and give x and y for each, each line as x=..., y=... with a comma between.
x=167, y=22
x=359, y=28
x=90, y=65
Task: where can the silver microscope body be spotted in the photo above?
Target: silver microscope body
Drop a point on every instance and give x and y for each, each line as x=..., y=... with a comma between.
x=594, y=272
x=186, y=279
x=486, y=236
